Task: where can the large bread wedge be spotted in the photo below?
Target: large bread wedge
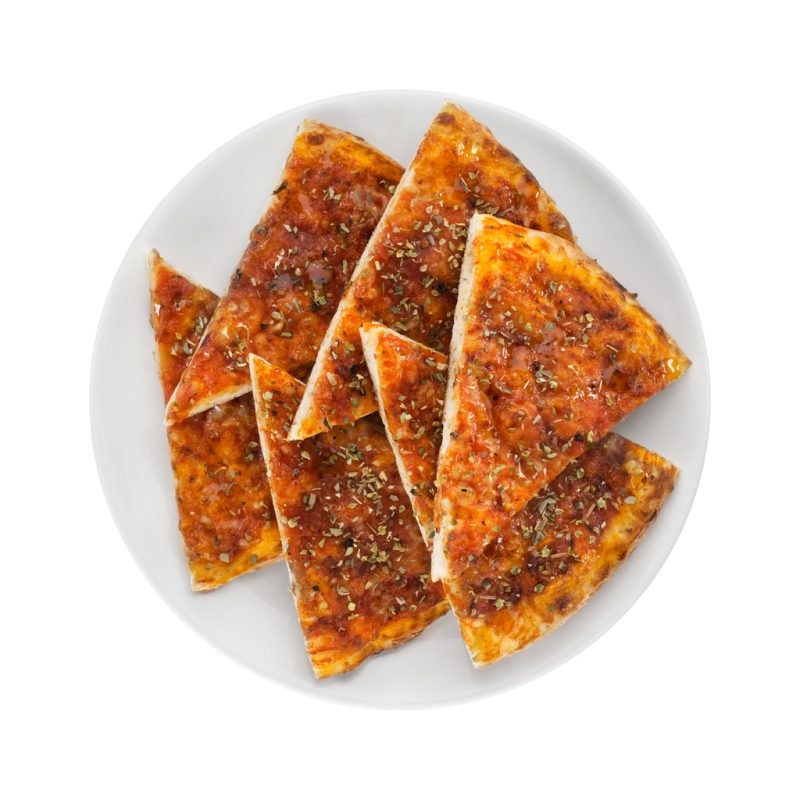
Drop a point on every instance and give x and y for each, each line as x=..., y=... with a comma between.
x=282, y=295
x=360, y=572
x=548, y=353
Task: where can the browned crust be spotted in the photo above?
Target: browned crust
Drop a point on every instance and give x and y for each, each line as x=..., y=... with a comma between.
x=549, y=352
x=224, y=505
x=333, y=190
x=407, y=277
x=553, y=555
x=360, y=572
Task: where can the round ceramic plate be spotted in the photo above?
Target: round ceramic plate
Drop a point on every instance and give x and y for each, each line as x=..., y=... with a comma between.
x=201, y=228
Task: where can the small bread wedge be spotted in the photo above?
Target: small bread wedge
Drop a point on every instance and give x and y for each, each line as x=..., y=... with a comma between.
x=224, y=507
x=548, y=353
x=554, y=554
x=333, y=190
x=408, y=276
x=360, y=573
x=409, y=381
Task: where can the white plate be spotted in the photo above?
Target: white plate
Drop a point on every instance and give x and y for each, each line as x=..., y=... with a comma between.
x=201, y=227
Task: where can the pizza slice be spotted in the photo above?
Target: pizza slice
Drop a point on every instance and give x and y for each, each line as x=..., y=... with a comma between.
x=550, y=557
x=224, y=508
x=333, y=190
x=360, y=572
x=407, y=277
x=409, y=380
x=548, y=353
x=560, y=548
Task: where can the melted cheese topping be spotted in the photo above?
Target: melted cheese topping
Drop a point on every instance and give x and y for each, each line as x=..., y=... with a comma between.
x=550, y=557
x=408, y=276
x=360, y=572
x=224, y=506
x=549, y=352
x=283, y=294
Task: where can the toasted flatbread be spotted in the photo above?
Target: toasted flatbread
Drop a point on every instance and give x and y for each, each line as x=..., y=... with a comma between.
x=333, y=190
x=225, y=511
x=560, y=548
x=551, y=556
x=360, y=572
x=409, y=380
x=407, y=277
x=548, y=353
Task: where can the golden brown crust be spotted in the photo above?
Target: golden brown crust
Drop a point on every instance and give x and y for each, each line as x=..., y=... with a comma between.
x=285, y=290
x=224, y=506
x=407, y=278
x=559, y=549
x=409, y=381
x=360, y=573
x=549, y=352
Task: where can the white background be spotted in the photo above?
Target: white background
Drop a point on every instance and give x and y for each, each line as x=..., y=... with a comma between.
x=105, y=693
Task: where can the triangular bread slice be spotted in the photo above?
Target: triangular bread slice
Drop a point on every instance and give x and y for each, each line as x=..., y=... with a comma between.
x=548, y=353
x=409, y=381
x=360, y=572
x=407, y=277
x=553, y=555
x=333, y=190
x=225, y=511
x=560, y=548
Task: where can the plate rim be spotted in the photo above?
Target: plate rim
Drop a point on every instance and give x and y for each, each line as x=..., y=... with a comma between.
x=314, y=689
